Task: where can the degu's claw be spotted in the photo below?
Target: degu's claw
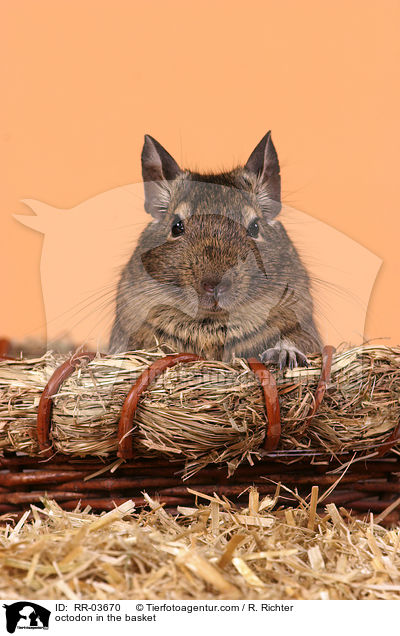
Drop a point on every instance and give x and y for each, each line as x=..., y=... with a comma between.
x=284, y=357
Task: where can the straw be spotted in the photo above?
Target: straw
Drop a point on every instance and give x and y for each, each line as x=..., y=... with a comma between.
x=204, y=412
x=208, y=551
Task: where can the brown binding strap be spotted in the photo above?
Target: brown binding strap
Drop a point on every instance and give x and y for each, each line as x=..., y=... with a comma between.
x=46, y=400
x=5, y=346
x=390, y=442
x=125, y=440
x=271, y=403
x=327, y=354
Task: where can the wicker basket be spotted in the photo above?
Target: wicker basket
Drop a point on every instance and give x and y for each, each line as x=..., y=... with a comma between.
x=366, y=486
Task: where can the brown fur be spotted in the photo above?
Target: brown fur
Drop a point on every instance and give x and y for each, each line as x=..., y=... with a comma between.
x=161, y=294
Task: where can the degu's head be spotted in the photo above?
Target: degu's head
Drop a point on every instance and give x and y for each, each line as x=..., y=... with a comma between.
x=213, y=233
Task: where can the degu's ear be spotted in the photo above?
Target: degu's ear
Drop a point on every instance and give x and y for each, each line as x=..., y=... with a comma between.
x=263, y=163
x=158, y=168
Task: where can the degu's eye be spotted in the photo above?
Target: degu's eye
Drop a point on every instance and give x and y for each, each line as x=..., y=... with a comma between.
x=177, y=227
x=254, y=228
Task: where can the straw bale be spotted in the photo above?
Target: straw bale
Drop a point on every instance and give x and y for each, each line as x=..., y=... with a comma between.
x=204, y=412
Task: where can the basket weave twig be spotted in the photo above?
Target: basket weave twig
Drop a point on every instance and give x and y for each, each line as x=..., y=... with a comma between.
x=200, y=414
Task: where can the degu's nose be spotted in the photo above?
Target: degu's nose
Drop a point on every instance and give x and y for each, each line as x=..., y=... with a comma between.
x=215, y=286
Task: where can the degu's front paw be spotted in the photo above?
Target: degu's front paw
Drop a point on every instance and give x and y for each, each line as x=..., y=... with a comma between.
x=284, y=355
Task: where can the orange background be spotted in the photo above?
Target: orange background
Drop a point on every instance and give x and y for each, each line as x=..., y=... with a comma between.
x=81, y=83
